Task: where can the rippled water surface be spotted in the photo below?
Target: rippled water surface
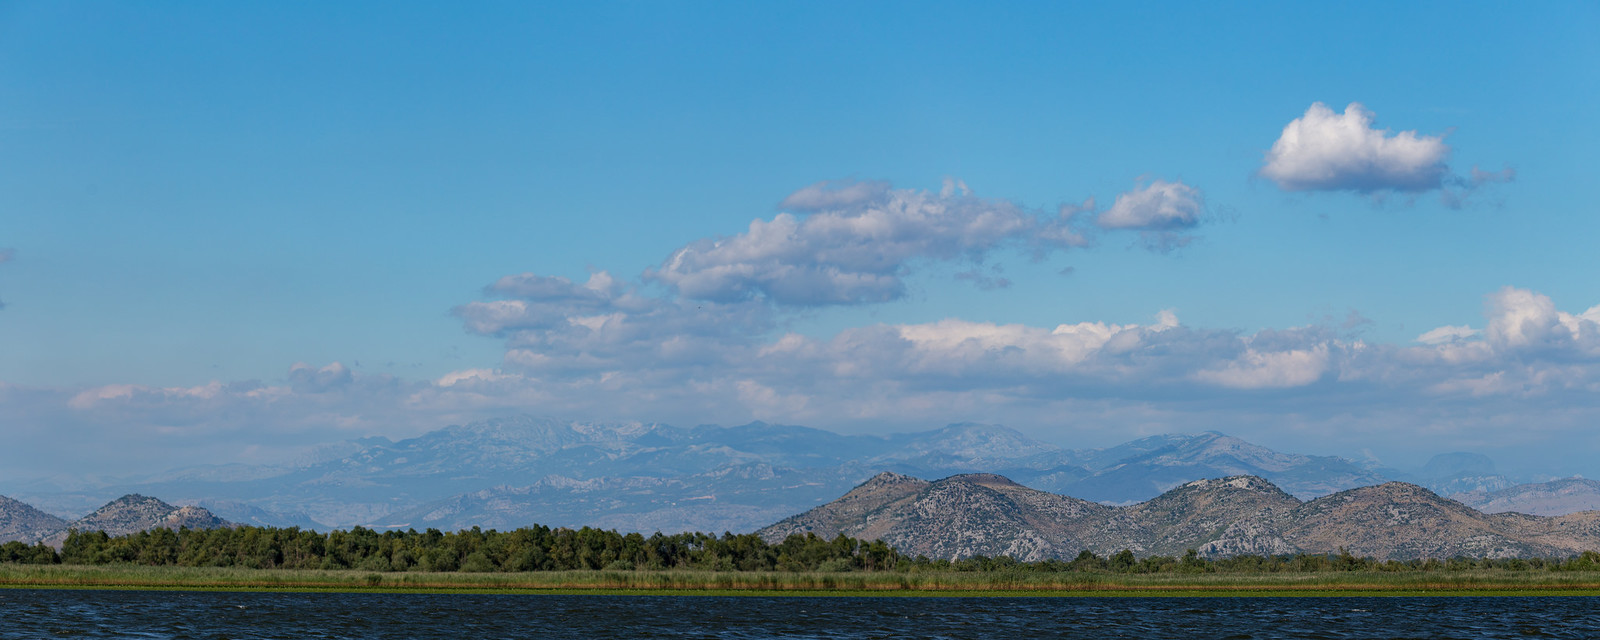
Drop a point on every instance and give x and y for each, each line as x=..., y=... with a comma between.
x=136, y=614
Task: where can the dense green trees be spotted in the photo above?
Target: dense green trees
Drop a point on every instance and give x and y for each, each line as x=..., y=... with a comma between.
x=535, y=548
x=540, y=548
x=24, y=554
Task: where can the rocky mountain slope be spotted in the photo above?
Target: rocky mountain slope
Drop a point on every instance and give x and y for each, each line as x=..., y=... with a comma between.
x=1400, y=520
x=22, y=522
x=1554, y=498
x=1228, y=516
x=134, y=513
x=966, y=515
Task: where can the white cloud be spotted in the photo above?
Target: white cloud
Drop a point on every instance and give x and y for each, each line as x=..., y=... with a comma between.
x=856, y=245
x=1520, y=319
x=1448, y=334
x=1160, y=211
x=1158, y=206
x=835, y=194
x=1529, y=348
x=951, y=345
x=1270, y=369
x=1327, y=151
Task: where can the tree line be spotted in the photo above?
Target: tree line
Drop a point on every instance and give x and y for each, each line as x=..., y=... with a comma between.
x=541, y=548
x=536, y=548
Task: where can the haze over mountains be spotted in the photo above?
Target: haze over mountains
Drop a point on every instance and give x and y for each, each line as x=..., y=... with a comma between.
x=512, y=472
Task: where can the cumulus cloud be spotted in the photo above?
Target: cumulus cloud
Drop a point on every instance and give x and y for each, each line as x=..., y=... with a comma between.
x=1528, y=348
x=709, y=342
x=1160, y=205
x=679, y=366
x=1523, y=320
x=856, y=244
x=1160, y=211
x=1327, y=151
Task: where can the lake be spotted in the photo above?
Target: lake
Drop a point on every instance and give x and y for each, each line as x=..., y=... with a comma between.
x=29, y=613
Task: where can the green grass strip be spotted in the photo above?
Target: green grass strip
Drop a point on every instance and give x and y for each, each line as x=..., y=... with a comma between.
x=913, y=584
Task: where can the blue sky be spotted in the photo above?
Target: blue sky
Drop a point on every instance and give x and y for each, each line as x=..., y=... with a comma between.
x=235, y=230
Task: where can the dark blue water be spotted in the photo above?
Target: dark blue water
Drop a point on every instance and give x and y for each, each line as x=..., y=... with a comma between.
x=137, y=614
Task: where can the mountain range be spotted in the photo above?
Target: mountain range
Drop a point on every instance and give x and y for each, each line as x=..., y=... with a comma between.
x=521, y=470
x=985, y=514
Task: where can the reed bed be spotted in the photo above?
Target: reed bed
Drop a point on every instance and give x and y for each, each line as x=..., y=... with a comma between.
x=879, y=583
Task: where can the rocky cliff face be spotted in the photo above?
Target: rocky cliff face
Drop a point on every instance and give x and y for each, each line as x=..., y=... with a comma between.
x=967, y=515
x=21, y=522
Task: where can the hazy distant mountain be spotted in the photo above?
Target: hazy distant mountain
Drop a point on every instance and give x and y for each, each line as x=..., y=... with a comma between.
x=1554, y=498
x=964, y=515
x=962, y=444
x=246, y=513
x=1460, y=472
x=1142, y=469
x=22, y=522
x=134, y=513
x=520, y=470
x=726, y=499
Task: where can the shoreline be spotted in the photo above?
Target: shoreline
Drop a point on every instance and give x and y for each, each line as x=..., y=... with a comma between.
x=853, y=584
